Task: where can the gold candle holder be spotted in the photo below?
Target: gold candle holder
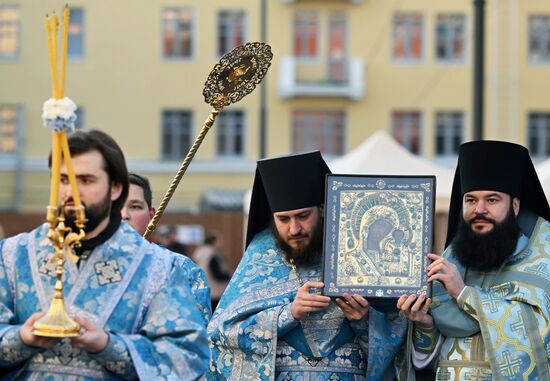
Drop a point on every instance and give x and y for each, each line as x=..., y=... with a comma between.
x=57, y=322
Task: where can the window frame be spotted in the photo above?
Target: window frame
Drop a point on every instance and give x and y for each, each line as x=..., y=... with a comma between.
x=408, y=60
x=303, y=114
x=449, y=136
x=175, y=145
x=452, y=60
x=232, y=115
x=531, y=59
x=409, y=112
x=307, y=58
x=338, y=15
x=17, y=53
x=244, y=25
x=17, y=133
x=80, y=122
x=82, y=55
x=192, y=30
x=543, y=129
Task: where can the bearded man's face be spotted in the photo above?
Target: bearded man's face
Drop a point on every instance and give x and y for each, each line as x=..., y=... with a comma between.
x=95, y=188
x=299, y=234
x=95, y=214
x=488, y=231
x=483, y=209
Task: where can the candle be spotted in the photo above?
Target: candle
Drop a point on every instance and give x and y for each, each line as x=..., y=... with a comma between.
x=53, y=31
x=55, y=170
x=70, y=170
x=66, y=15
x=49, y=38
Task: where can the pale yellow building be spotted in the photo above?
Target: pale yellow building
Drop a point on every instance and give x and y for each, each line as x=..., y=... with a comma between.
x=342, y=69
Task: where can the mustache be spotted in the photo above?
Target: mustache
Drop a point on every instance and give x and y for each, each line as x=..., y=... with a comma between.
x=299, y=235
x=70, y=200
x=482, y=218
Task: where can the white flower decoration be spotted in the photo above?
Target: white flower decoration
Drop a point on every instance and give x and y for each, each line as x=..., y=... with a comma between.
x=59, y=114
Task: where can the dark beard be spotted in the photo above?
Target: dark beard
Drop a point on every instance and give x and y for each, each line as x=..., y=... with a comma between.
x=486, y=251
x=95, y=214
x=309, y=255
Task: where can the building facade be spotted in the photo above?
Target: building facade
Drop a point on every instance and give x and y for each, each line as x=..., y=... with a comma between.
x=342, y=69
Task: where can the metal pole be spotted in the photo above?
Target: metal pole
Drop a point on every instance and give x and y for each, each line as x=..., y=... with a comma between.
x=478, y=77
x=263, y=86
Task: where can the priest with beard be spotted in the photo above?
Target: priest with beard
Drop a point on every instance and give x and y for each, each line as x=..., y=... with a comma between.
x=142, y=309
x=272, y=322
x=489, y=316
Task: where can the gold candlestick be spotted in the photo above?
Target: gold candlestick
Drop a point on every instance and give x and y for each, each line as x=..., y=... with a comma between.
x=57, y=322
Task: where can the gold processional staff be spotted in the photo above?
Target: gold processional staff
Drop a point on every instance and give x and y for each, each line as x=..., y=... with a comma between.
x=236, y=75
x=233, y=77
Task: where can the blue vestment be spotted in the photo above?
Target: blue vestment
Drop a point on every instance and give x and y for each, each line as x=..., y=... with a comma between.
x=253, y=335
x=154, y=305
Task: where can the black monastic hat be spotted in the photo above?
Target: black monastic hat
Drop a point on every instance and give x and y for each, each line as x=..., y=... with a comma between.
x=498, y=166
x=285, y=183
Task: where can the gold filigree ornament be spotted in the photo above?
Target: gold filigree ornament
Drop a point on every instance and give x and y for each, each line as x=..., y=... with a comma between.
x=236, y=75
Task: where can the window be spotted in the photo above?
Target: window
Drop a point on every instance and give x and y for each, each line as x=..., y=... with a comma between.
x=75, y=48
x=9, y=31
x=322, y=130
x=9, y=122
x=176, y=134
x=450, y=38
x=177, y=29
x=539, y=134
x=406, y=130
x=80, y=118
x=539, y=39
x=230, y=30
x=337, y=48
x=306, y=33
x=230, y=127
x=407, y=37
x=449, y=129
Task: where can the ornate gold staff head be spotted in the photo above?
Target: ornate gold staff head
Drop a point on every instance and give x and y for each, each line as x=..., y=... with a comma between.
x=237, y=74
x=233, y=77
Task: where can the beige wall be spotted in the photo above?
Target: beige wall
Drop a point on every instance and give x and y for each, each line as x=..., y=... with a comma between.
x=426, y=87
x=124, y=83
